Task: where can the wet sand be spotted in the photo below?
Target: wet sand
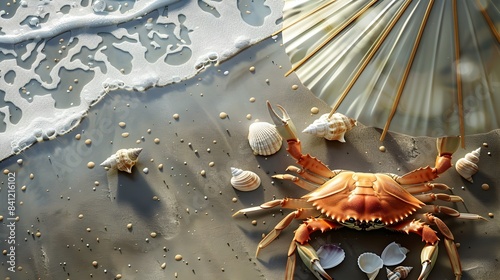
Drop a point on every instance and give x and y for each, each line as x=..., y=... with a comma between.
x=191, y=213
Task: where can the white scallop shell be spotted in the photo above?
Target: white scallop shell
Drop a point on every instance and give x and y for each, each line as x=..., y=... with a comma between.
x=333, y=128
x=264, y=138
x=123, y=159
x=370, y=264
x=330, y=255
x=467, y=166
x=244, y=180
x=394, y=254
x=400, y=272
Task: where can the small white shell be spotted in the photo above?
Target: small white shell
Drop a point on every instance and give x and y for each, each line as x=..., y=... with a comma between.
x=467, y=166
x=244, y=180
x=394, y=254
x=333, y=128
x=400, y=272
x=330, y=255
x=264, y=138
x=370, y=264
x=123, y=159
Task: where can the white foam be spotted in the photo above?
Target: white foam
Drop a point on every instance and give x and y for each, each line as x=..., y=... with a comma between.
x=208, y=36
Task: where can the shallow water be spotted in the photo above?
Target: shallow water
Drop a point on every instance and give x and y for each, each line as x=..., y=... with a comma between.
x=191, y=213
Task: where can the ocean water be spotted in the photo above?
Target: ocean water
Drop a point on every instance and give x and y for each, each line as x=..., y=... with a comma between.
x=172, y=96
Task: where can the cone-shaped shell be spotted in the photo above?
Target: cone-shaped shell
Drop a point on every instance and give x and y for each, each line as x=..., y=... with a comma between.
x=244, y=180
x=330, y=255
x=123, y=159
x=394, y=254
x=400, y=272
x=333, y=128
x=467, y=166
x=370, y=264
x=264, y=138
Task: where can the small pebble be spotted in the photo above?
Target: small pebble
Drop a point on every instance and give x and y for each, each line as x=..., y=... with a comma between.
x=157, y=140
x=254, y=222
x=80, y=216
x=96, y=183
x=6, y=171
x=145, y=170
x=314, y=110
x=491, y=215
x=295, y=87
x=252, y=99
x=223, y=115
x=32, y=176
x=485, y=187
x=125, y=134
x=176, y=116
x=88, y=142
x=235, y=199
x=1, y=218
x=178, y=257
x=249, y=116
x=90, y=164
x=153, y=234
x=211, y=164
x=118, y=276
x=122, y=124
x=89, y=229
x=160, y=166
x=485, y=144
x=20, y=161
x=251, y=69
x=95, y=264
x=38, y=234
x=129, y=226
x=203, y=173
x=382, y=149
x=163, y=265
x=23, y=188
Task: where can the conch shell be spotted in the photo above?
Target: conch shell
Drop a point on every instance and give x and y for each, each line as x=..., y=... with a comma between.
x=467, y=166
x=264, y=138
x=333, y=128
x=400, y=272
x=123, y=159
x=244, y=180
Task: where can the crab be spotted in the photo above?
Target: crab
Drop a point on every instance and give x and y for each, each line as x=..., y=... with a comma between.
x=362, y=201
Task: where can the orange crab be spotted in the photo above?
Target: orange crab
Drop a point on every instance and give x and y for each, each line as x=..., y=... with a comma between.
x=362, y=201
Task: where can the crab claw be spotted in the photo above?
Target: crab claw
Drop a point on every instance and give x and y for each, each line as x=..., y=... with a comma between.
x=284, y=124
x=428, y=258
x=446, y=146
x=311, y=259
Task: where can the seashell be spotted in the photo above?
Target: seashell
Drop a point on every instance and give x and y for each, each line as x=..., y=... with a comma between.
x=394, y=254
x=370, y=264
x=330, y=255
x=333, y=128
x=400, y=272
x=264, y=138
x=244, y=180
x=123, y=159
x=467, y=166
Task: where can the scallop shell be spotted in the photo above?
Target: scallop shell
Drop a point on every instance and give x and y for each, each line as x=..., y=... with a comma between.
x=400, y=272
x=467, y=166
x=244, y=180
x=370, y=264
x=264, y=138
x=330, y=255
x=394, y=254
x=123, y=159
x=333, y=128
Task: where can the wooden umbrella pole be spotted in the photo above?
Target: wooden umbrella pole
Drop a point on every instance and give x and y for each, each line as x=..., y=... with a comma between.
x=459, y=77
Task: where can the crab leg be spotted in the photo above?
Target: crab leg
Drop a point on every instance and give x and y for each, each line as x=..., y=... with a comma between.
x=306, y=175
x=429, y=197
x=425, y=187
x=450, y=212
x=297, y=181
x=286, y=128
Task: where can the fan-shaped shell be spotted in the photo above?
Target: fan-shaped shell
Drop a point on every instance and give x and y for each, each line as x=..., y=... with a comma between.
x=394, y=254
x=330, y=255
x=370, y=264
x=244, y=180
x=264, y=138
x=400, y=272
x=123, y=159
x=333, y=128
x=467, y=166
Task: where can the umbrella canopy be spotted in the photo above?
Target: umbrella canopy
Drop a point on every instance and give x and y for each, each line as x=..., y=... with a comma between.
x=423, y=68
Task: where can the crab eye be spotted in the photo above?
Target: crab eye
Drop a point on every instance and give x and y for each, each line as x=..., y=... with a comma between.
x=352, y=220
x=377, y=221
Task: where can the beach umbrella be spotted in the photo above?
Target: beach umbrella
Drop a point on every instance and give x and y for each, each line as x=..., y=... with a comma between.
x=422, y=68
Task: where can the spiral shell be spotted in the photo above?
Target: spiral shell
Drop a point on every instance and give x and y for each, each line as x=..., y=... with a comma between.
x=370, y=264
x=400, y=272
x=467, y=166
x=264, y=138
x=244, y=180
x=333, y=128
x=123, y=159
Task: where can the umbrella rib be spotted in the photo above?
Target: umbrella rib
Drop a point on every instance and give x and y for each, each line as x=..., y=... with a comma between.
x=333, y=35
x=489, y=21
x=304, y=17
x=369, y=57
x=407, y=69
x=459, y=77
